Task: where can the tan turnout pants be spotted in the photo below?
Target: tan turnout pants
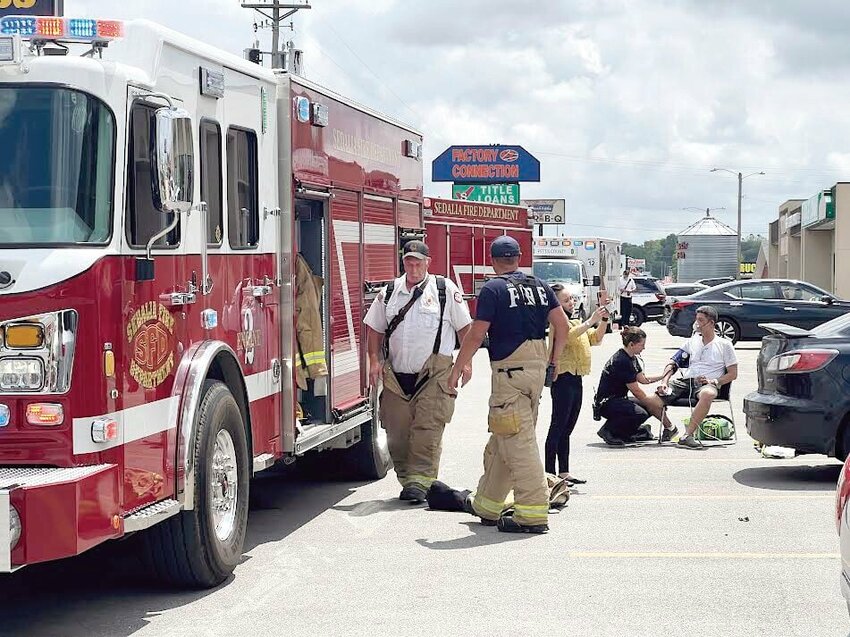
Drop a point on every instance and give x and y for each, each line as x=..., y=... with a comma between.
x=512, y=457
x=415, y=424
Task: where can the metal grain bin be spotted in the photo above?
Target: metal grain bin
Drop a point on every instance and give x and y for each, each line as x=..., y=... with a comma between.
x=707, y=249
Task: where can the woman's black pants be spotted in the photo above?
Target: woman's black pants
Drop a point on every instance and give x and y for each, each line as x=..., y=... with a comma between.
x=566, y=405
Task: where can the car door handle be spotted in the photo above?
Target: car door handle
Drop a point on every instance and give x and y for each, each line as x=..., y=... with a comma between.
x=790, y=309
x=736, y=304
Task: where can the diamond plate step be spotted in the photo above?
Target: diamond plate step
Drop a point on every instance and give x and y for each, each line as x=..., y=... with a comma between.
x=12, y=477
x=149, y=515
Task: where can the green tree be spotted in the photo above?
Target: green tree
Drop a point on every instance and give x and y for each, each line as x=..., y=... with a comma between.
x=659, y=255
x=750, y=248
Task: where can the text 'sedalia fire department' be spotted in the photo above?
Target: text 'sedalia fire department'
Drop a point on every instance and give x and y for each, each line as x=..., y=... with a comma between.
x=188, y=244
x=459, y=234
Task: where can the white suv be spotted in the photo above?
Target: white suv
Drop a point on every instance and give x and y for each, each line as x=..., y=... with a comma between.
x=647, y=300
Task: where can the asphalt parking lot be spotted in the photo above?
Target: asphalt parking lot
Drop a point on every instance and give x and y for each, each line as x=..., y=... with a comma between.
x=660, y=541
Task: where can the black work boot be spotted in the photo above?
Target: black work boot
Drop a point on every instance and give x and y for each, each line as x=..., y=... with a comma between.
x=507, y=524
x=467, y=506
x=413, y=493
x=609, y=439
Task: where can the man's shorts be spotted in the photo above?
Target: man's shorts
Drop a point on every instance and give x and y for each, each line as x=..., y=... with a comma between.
x=683, y=388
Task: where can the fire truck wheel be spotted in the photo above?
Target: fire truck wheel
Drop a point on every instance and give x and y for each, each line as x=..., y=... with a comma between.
x=201, y=547
x=369, y=459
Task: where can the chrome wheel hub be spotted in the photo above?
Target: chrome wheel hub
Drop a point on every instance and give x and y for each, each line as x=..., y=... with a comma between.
x=725, y=330
x=224, y=487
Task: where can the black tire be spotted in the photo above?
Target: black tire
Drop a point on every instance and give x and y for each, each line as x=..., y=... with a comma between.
x=185, y=550
x=728, y=329
x=638, y=316
x=369, y=459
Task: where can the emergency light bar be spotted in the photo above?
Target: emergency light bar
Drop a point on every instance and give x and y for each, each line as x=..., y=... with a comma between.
x=66, y=29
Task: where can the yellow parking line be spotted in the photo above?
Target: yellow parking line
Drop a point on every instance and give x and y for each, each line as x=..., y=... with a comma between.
x=705, y=555
x=711, y=496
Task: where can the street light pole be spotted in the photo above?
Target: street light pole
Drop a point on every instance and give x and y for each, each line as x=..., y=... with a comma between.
x=741, y=178
x=740, y=187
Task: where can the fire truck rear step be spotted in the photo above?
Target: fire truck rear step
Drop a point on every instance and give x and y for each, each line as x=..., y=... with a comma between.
x=151, y=514
x=313, y=436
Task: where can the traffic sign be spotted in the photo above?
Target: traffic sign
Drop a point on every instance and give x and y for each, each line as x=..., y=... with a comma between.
x=505, y=194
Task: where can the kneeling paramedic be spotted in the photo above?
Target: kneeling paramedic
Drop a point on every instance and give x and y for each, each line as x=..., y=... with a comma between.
x=413, y=322
x=514, y=309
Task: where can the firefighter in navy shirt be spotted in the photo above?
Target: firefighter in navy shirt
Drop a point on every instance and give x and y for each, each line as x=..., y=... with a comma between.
x=514, y=309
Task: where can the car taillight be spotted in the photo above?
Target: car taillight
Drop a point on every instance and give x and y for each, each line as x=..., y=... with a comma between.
x=801, y=361
x=681, y=305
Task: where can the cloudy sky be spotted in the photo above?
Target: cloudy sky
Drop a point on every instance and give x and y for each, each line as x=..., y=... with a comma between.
x=626, y=103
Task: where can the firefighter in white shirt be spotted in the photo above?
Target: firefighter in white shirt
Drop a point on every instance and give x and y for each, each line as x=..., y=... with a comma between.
x=414, y=321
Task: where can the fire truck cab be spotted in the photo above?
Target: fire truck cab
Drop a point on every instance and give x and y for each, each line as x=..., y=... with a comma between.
x=154, y=196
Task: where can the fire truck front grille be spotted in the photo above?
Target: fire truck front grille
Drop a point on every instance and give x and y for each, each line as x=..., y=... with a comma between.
x=11, y=477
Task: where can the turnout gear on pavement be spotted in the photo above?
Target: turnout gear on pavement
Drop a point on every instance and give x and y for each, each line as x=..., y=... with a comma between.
x=310, y=359
x=441, y=497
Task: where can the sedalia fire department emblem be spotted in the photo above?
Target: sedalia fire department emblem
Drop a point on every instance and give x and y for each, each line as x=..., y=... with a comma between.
x=150, y=334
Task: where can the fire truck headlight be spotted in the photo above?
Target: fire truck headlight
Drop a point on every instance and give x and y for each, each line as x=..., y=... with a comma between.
x=15, y=527
x=46, y=367
x=21, y=374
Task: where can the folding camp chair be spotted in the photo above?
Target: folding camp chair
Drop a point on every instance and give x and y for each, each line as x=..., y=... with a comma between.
x=724, y=394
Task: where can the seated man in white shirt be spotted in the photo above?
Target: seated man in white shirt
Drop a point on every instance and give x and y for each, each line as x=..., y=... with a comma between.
x=712, y=364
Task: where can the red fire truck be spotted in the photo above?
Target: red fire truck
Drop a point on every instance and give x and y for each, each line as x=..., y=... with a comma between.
x=459, y=234
x=153, y=198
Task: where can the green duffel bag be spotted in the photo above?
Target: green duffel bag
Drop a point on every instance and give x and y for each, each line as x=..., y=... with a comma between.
x=714, y=427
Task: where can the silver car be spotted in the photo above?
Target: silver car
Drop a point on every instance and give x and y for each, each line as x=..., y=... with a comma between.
x=675, y=290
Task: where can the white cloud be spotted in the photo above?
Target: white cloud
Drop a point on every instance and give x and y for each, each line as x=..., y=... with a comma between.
x=626, y=104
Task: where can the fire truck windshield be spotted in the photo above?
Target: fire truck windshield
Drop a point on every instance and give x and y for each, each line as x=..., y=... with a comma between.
x=558, y=271
x=56, y=169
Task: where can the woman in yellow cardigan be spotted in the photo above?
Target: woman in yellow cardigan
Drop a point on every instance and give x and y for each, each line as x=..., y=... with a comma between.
x=567, y=388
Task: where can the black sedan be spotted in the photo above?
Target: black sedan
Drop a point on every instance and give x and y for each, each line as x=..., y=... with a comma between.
x=742, y=305
x=802, y=400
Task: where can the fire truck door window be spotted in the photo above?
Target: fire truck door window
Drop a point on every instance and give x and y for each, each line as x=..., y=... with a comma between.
x=144, y=218
x=243, y=211
x=210, y=139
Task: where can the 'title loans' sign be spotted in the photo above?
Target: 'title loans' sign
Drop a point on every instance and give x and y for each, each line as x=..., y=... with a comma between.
x=506, y=194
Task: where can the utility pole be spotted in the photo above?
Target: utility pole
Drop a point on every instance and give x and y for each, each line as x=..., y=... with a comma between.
x=741, y=178
x=740, y=183
x=280, y=11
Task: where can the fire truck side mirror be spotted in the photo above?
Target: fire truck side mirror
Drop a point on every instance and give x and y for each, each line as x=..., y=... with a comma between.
x=596, y=281
x=174, y=184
